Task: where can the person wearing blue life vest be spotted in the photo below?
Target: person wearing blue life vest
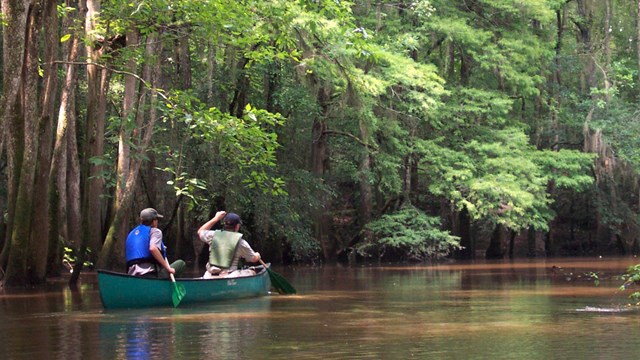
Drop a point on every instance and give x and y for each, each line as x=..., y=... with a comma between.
x=226, y=247
x=145, y=252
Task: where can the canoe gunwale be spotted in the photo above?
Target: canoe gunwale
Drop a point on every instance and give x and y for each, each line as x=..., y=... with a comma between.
x=118, y=273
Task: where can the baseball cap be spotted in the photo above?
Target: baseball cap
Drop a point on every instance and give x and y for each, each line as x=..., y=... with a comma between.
x=231, y=219
x=149, y=214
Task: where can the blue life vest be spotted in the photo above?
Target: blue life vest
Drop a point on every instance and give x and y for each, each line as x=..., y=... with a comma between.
x=137, y=246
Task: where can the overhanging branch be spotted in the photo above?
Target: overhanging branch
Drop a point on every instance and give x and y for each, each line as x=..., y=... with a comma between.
x=123, y=72
x=351, y=136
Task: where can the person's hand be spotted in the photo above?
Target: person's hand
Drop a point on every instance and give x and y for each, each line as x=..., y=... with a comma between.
x=171, y=270
x=220, y=214
x=257, y=257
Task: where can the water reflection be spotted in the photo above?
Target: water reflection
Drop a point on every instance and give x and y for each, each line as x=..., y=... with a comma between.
x=506, y=310
x=130, y=339
x=180, y=333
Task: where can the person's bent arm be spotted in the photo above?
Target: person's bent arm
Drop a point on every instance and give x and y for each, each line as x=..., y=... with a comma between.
x=256, y=257
x=157, y=254
x=209, y=224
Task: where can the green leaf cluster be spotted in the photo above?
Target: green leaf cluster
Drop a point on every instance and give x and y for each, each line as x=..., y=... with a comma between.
x=411, y=232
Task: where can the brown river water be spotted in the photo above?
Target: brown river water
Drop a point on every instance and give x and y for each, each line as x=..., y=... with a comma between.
x=524, y=309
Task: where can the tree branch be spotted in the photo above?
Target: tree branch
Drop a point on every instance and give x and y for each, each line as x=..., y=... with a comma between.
x=357, y=139
x=123, y=72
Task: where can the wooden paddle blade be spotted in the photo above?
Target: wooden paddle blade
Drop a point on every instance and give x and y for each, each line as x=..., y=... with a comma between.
x=280, y=284
x=178, y=294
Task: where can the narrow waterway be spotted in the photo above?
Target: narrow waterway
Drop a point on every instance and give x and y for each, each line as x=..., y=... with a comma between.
x=526, y=309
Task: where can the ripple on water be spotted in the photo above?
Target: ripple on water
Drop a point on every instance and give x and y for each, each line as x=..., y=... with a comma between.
x=615, y=309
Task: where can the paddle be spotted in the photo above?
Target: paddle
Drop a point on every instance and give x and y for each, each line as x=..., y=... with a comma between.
x=278, y=282
x=178, y=292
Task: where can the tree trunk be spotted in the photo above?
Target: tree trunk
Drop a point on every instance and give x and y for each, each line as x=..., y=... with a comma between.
x=531, y=242
x=638, y=40
x=236, y=108
x=607, y=49
x=143, y=141
x=13, y=41
x=211, y=70
x=560, y=16
x=73, y=195
x=465, y=69
x=366, y=193
x=93, y=214
x=494, y=251
x=40, y=234
x=464, y=224
x=22, y=266
x=319, y=166
x=183, y=62
x=451, y=61
x=131, y=114
x=271, y=83
x=550, y=246
x=97, y=87
x=64, y=176
x=584, y=24
x=512, y=243
x=405, y=199
x=3, y=198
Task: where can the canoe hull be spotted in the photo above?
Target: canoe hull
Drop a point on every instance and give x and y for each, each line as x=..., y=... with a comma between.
x=118, y=290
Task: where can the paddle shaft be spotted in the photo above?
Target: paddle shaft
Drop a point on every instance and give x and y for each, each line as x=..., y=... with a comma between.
x=173, y=279
x=177, y=294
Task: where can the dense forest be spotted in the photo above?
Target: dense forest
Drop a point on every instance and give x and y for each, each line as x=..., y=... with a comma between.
x=339, y=130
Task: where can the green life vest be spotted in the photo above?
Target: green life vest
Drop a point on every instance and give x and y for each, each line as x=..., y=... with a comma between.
x=223, y=248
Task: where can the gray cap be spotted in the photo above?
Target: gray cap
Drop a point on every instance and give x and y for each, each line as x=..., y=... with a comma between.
x=149, y=214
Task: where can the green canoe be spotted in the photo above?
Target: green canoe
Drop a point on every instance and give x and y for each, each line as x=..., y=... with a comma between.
x=118, y=290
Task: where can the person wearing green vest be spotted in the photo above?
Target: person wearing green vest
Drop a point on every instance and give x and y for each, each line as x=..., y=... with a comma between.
x=226, y=247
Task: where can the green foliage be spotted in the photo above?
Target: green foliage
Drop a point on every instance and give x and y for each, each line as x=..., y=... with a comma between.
x=106, y=162
x=502, y=44
x=289, y=219
x=568, y=169
x=629, y=278
x=249, y=143
x=620, y=125
x=411, y=232
x=594, y=276
x=500, y=181
x=416, y=86
x=185, y=185
x=69, y=257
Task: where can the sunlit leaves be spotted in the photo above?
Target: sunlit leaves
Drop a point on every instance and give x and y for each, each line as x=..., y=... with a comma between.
x=184, y=185
x=568, y=169
x=409, y=231
x=497, y=180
